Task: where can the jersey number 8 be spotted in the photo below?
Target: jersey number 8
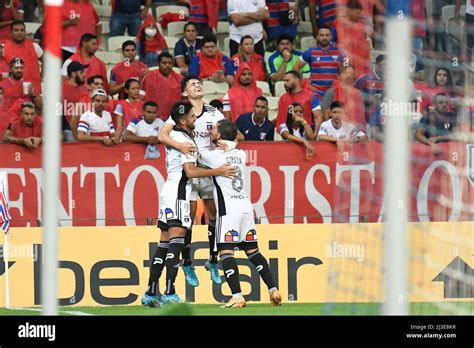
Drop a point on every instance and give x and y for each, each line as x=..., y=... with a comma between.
x=238, y=182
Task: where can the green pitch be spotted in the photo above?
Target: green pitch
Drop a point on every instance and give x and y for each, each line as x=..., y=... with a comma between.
x=286, y=309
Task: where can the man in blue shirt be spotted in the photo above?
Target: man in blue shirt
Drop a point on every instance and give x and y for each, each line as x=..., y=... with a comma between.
x=255, y=126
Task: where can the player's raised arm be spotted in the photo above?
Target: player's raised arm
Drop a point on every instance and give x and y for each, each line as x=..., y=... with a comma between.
x=186, y=148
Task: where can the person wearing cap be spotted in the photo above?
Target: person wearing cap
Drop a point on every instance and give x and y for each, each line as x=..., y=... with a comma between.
x=86, y=55
x=27, y=130
x=72, y=90
x=30, y=52
x=17, y=87
x=96, y=125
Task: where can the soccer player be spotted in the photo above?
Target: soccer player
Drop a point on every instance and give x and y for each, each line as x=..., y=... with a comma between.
x=207, y=117
x=235, y=225
x=175, y=217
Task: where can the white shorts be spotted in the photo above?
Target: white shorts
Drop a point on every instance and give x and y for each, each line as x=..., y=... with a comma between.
x=236, y=231
x=202, y=188
x=174, y=213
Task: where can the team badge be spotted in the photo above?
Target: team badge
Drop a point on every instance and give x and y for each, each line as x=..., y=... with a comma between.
x=232, y=236
x=169, y=213
x=251, y=235
x=209, y=126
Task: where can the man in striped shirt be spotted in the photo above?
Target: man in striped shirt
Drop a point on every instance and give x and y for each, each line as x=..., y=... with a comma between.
x=96, y=125
x=324, y=60
x=283, y=18
x=327, y=13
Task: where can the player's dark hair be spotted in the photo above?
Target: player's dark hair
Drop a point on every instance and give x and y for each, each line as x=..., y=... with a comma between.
x=90, y=80
x=216, y=103
x=227, y=129
x=149, y=103
x=245, y=38
x=180, y=110
x=128, y=43
x=188, y=78
x=86, y=38
x=164, y=55
x=261, y=98
x=337, y=104
x=17, y=22
x=325, y=27
x=289, y=118
x=294, y=73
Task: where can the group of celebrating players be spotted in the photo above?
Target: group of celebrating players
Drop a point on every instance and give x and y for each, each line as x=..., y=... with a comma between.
x=202, y=161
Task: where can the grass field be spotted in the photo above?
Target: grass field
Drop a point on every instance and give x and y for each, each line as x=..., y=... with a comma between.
x=287, y=309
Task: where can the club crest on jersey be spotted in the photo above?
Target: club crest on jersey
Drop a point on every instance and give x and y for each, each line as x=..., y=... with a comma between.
x=251, y=235
x=169, y=213
x=232, y=236
x=209, y=126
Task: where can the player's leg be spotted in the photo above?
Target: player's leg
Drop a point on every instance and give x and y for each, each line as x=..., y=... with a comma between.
x=187, y=264
x=231, y=272
x=157, y=263
x=177, y=233
x=211, y=264
x=250, y=246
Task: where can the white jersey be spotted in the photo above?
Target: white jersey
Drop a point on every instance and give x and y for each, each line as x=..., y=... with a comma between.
x=229, y=194
x=203, y=126
x=344, y=132
x=176, y=159
x=95, y=125
x=143, y=129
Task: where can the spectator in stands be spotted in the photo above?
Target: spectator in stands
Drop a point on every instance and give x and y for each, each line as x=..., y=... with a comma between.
x=86, y=56
x=241, y=97
x=72, y=90
x=469, y=24
x=187, y=47
x=246, y=19
x=96, y=125
x=283, y=19
x=129, y=68
x=20, y=46
x=326, y=12
x=27, y=130
x=79, y=18
x=93, y=83
x=205, y=13
x=352, y=38
x=4, y=114
x=297, y=129
x=248, y=55
x=145, y=130
x=324, y=60
x=284, y=59
x=4, y=67
x=443, y=83
x=296, y=94
x=218, y=105
x=210, y=64
x=131, y=107
x=439, y=125
x=150, y=42
x=10, y=10
x=255, y=125
x=371, y=85
x=339, y=130
x=163, y=86
x=29, y=7
x=126, y=14
x=343, y=91
x=17, y=87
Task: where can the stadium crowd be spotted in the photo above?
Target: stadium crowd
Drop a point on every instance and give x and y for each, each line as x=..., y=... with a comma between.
x=298, y=71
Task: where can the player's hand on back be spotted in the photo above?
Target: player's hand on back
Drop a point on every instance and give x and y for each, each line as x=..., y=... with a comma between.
x=227, y=170
x=187, y=148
